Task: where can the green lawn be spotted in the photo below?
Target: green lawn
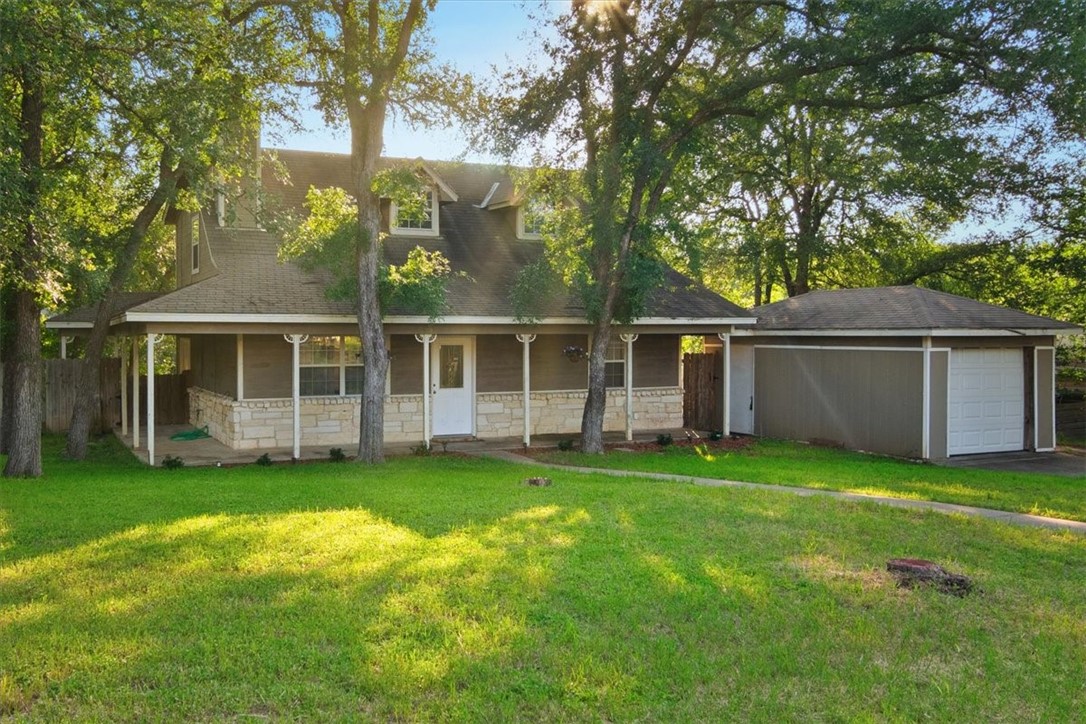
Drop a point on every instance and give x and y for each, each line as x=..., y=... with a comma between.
x=794, y=464
x=445, y=589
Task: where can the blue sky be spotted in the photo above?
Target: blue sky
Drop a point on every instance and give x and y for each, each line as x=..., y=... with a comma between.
x=472, y=35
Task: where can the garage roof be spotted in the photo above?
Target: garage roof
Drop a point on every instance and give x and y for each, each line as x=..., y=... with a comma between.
x=895, y=308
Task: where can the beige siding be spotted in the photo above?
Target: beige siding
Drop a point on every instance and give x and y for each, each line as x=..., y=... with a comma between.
x=214, y=363
x=405, y=367
x=551, y=370
x=1045, y=398
x=498, y=361
x=937, y=434
x=867, y=400
x=267, y=366
x=656, y=360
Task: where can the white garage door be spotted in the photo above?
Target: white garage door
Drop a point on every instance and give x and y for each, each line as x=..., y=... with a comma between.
x=987, y=401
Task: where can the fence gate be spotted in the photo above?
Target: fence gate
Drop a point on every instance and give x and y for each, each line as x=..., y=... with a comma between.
x=700, y=377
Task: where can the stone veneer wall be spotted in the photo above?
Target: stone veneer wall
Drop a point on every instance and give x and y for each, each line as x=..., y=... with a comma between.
x=259, y=424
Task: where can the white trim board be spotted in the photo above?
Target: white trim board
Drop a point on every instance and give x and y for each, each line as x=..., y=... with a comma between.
x=181, y=317
x=916, y=332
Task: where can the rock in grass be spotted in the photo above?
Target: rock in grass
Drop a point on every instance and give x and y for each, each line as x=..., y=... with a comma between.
x=537, y=482
x=912, y=571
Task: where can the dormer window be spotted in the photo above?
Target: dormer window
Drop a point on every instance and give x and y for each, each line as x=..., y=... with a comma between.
x=530, y=218
x=420, y=220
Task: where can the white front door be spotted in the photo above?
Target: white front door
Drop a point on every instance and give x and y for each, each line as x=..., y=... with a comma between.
x=452, y=382
x=742, y=393
x=987, y=401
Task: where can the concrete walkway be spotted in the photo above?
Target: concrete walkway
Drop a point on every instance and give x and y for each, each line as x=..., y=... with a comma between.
x=1039, y=521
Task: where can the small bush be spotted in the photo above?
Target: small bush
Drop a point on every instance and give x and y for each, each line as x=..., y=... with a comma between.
x=565, y=445
x=716, y=435
x=421, y=449
x=664, y=439
x=171, y=462
x=337, y=455
x=264, y=460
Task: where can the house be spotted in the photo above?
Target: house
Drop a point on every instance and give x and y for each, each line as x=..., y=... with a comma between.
x=275, y=362
x=898, y=370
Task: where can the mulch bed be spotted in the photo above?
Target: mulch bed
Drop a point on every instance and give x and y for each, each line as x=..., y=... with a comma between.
x=651, y=446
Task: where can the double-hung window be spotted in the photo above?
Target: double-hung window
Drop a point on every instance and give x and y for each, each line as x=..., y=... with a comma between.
x=530, y=218
x=614, y=368
x=420, y=218
x=330, y=366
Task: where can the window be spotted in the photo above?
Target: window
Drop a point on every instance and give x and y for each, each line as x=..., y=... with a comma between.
x=614, y=368
x=422, y=220
x=330, y=366
x=195, y=238
x=530, y=219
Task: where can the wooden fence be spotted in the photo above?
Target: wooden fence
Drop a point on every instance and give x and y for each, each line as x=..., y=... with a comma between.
x=700, y=372
x=61, y=381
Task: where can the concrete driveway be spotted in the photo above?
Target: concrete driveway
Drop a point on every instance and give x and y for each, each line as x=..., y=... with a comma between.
x=1053, y=463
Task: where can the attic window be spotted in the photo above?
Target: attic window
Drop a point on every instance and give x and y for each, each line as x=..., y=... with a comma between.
x=195, y=239
x=530, y=218
x=420, y=221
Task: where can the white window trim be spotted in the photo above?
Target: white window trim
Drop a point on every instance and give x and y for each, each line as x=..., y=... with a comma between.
x=343, y=364
x=194, y=244
x=435, y=230
x=613, y=360
x=521, y=233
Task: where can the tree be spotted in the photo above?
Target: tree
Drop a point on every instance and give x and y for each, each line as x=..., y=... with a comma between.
x=184, y=116
x=367, y=58
x=636, y=88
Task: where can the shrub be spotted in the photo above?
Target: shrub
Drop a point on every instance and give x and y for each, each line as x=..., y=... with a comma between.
x=421, y=449
x=264, y=460
x=716, y=435
x=565, y=445
x=337, y=455
x=171, y=462
x=664, y=439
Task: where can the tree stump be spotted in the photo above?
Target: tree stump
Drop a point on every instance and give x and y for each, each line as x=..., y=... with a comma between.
x=910, y=572
x=537, y=482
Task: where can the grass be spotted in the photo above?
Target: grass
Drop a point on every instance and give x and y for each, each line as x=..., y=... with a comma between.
x=445, y=589
x=793, y=464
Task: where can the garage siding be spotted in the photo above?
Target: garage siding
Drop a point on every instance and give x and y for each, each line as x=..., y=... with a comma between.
x=940, y=381
x=866, y=400
x=1045, y=397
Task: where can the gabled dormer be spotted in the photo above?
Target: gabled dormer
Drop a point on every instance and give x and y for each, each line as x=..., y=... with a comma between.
x=423, y=219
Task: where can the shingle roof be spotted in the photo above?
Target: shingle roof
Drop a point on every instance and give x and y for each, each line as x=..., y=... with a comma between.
x=481, y=246
x=121, y=303
x=889, y=308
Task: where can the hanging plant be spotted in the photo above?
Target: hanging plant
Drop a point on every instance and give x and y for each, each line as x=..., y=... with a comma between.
x=574, y=353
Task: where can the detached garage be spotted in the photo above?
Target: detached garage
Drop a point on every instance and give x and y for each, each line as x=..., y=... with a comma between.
x=898, y=370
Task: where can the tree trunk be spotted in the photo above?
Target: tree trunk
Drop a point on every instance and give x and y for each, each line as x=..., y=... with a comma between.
x=367, y=130
x=24, y=437
x=7, y=344
x=88, y=393
x=595, y=407
x=24, y=457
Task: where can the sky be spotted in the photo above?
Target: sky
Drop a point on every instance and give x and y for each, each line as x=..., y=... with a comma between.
x=472, y=35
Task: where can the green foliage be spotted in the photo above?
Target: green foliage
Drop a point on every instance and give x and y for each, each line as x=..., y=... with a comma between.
x=337, y=455
x=328, y=235
x=565, y=444
x=171, y=462
x=264, y=460
x=422, y=449
x=664, y=439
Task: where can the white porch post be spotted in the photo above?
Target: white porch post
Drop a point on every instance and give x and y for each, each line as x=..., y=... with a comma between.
x=727, y=416
x=135, y=393
x=296, y=388
x=151, y=339
x=64, y=340
x=241, y=367
x=426, y=340
x=925, y=434
x=526, y=340
x=124, y=387
x=629, y=339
